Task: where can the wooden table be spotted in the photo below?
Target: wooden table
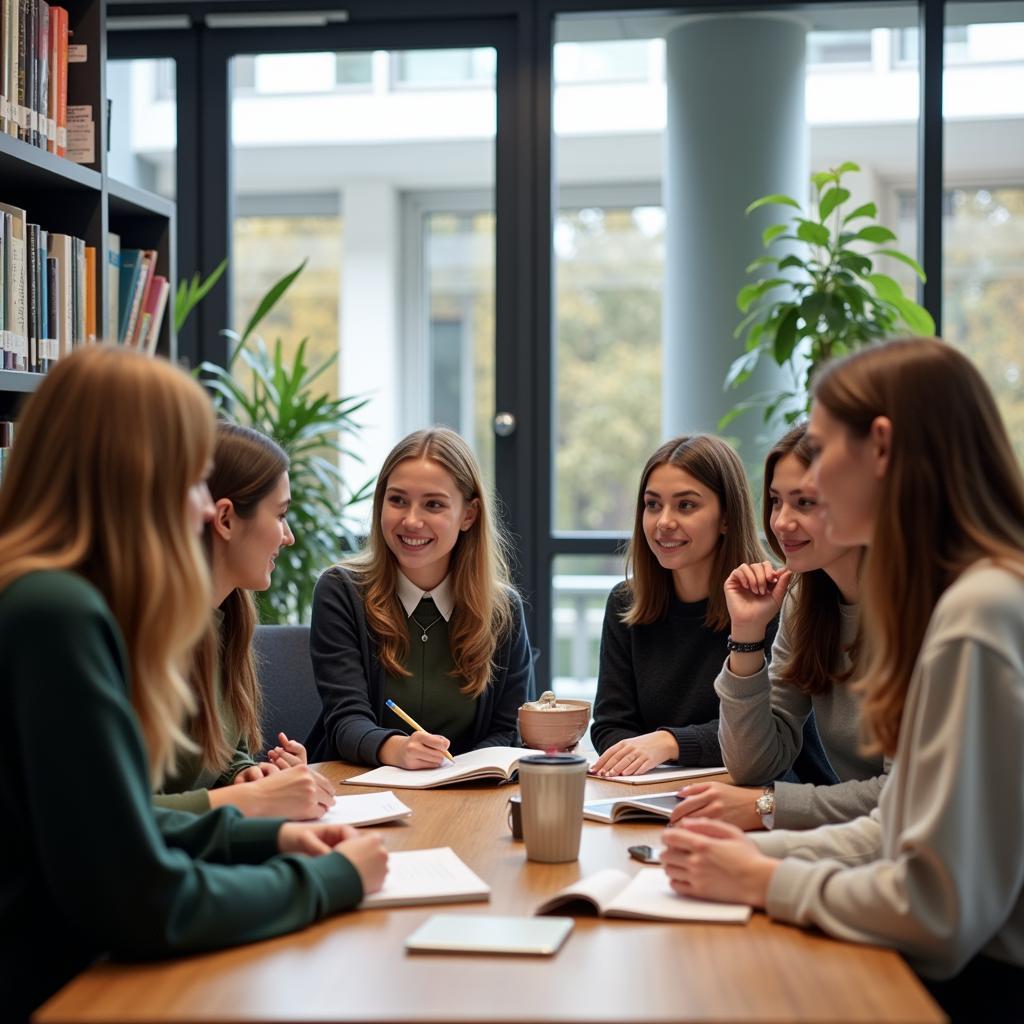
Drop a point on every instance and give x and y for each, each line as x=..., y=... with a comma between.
x=353, y=966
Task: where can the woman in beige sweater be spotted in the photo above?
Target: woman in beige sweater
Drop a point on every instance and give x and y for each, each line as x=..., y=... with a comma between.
x=914, y=461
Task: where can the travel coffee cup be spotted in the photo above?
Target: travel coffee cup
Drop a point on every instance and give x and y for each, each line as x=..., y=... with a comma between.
x=551, y=787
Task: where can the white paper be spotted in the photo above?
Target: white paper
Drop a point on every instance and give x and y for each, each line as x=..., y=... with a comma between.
x=649, y=894
x=662, y=773
x=451, y=771
x=365, y=809
x=427, y=876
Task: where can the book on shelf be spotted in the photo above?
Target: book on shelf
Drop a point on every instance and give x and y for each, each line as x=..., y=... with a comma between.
x=499, y=764
x=33, y=71
x=113, y=282
x=647, y=895
x=656, y=806
x=15, y=337
x=6, y=441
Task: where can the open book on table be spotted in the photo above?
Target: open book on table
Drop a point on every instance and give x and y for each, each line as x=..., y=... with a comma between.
x=655, y=805
x=498, y=763
x=428, y=876
x=646, y=895
x=662, y=773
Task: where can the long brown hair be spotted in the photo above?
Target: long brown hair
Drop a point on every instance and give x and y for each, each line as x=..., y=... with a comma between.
x=813, y=618
x=953, y=494
x=107, y=450
x=247, y=466
x=711, y=461
x=481, y=582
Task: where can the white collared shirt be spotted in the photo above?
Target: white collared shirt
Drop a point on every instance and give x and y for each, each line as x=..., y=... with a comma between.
x=410, y=595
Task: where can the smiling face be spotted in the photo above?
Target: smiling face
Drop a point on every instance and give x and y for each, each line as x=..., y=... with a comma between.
x=422, y=516
x=250, y=553
x=847, y=473
x=682, y=523
x=795, y=520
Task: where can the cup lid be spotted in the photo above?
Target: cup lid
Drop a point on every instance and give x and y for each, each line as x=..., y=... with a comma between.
x=554, y=760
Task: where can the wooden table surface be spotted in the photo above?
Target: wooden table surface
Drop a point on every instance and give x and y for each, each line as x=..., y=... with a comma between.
x=353, y=968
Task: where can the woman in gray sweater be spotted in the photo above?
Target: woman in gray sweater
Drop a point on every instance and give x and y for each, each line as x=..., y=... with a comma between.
x=914, y=461
x=765, y=703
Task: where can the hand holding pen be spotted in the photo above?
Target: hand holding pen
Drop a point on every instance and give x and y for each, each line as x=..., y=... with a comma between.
x=420, y=750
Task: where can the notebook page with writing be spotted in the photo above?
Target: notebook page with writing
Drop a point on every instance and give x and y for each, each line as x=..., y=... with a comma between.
x=427, y=876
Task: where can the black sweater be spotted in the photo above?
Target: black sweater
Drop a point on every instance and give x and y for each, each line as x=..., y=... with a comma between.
x=661, y=676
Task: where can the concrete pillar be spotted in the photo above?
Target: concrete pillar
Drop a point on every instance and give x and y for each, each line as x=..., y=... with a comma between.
x=736, y=131
x=370, y=360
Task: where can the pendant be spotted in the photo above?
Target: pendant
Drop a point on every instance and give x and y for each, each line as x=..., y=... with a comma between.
x=424, y=638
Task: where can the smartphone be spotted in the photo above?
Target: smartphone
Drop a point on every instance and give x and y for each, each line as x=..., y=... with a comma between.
x=645, y=854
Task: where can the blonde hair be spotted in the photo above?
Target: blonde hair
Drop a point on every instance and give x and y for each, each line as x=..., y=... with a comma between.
x=481, y=583
x=953, y=494
x=246, y=468
x=97, y=484
x=711, y=461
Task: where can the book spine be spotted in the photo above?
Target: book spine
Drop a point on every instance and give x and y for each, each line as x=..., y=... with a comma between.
x=43, y=72
x=62, y=80
x=11, y=9
x=32, y=290
x=52, y=309
x=32, y=134
x=5, y=28
x=90, y=293
x=135, y=307
x=22, y=28
x=6, y=443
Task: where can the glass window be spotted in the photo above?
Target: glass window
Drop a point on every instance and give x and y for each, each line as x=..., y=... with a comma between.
x=614, y=61
x=581, y=585
x=143, y=124
x=426, y=68
x=839, y=47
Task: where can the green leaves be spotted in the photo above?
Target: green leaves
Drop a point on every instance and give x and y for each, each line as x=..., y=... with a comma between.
x=191, y=293
x=832, y=303
x=775, y=199
x=270, y=300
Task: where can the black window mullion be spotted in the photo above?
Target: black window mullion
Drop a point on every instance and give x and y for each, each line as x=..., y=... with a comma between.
x=931, y=15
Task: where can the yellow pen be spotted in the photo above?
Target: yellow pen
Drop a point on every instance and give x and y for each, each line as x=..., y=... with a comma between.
x=405, y=718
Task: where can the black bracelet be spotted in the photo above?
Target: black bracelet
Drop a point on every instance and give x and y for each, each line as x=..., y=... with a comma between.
x=735, y=645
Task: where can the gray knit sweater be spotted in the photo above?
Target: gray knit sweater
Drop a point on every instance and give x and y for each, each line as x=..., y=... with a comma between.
x=760, y=729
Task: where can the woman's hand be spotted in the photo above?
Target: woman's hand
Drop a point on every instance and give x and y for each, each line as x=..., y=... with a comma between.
x=365, y=851
x=288, y=754
x=753, y=595
x=416, y=752
x=637, y=755
x=313, y=839
x=298, y=793
x=734, y=804
x=250, y=774
x=367, y=854
x=712, y=860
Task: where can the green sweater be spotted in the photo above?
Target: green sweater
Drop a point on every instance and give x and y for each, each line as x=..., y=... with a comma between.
x=79, y=876
x=431, y=695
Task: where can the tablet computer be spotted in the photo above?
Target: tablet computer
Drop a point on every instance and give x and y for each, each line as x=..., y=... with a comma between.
x=478, y=933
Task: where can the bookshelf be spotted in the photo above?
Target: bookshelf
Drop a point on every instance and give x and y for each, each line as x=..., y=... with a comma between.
x=81, y=199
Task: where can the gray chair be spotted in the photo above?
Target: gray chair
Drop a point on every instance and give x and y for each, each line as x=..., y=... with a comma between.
x=291, y=703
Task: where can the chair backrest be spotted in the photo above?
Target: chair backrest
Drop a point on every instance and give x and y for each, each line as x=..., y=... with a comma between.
x=291, y=703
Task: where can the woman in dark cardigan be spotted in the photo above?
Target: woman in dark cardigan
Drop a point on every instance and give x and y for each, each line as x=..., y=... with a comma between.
x=425, y=616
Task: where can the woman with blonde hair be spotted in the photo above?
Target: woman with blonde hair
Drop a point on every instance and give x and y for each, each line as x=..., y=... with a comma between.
x=913, y=460
x=104, y=590
x=251, y=493
x=425, y=616
x=665, y=629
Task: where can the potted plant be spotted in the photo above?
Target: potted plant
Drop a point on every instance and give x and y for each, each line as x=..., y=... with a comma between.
x=281, y=398
x=820, y=295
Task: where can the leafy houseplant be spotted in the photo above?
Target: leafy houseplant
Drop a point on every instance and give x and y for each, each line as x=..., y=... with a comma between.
x=821, y=296
x=281, y=399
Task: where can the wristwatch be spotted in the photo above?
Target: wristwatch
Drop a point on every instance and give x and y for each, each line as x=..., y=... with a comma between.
x=765, y=807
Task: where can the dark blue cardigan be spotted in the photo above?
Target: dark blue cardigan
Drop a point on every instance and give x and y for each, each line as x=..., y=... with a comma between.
x=353, y=683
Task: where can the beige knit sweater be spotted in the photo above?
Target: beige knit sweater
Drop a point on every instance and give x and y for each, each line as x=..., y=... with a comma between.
x=936, y=871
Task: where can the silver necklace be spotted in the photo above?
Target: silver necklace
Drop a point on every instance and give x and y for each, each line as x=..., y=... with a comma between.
x=426, y=629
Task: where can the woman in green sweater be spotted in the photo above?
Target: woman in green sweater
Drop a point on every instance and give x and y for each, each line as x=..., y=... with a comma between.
x=913, y=461
x=103, y=592
x=251, y=494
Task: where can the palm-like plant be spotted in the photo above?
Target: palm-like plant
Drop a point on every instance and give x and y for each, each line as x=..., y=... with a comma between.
x=282, y=401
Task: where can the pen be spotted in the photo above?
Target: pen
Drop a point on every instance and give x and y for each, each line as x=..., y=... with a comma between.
x=405, y=718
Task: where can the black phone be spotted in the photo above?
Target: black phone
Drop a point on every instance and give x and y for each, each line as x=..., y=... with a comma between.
x=645, y=854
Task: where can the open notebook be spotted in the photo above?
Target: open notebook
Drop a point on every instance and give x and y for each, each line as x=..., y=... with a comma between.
x=646, y=895
x=498, y=763
x=365, y=809
x=427, y=876
x=662, y=773
x=656, y=806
